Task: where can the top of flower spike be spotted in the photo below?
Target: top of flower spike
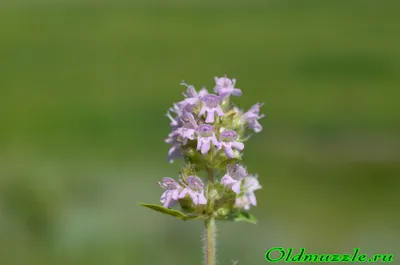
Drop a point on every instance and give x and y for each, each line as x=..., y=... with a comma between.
x=203, y=120
x=225, y=87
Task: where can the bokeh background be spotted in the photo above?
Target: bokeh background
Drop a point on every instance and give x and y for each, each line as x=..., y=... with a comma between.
x=84, y=86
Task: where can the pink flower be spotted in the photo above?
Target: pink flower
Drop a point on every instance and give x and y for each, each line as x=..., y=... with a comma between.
x=174, y=152
x=192, y=98
x=235, y=174
x=170, y=195
x=251, y=117
x=185, y=131
x=211, y=106
x=205, y=136
x=188, y=130
x=227, y=141
x=250, y=185
x=226, y=87
x=195, y=190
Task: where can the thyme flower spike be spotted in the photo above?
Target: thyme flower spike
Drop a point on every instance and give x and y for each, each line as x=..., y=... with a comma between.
x=209, y=133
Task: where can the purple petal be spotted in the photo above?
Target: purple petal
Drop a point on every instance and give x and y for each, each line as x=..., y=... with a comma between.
x=216, y=89
x=203, y=110
x=210, y=116
x=168, y=198
x=228, y=151
x=194, y=183
x=219, y=111
x=236, y=187
x=251, y=184
x=199, y=143
x=223, y=93
x=237, y=171
x=238, y=145
x=188, y=133
x=191, y=120
x=190, y=92
x=195, y=198
x=252, y=198
x=192, y=101
x=162, y=198
x=205, y=147
x=173, y=152
x=173, y=121
x=183, y=193
x=202, y=199
x=175, y=194
x=227, y=180
x=256, y=126
x=203, y=92
x=215, y=141
x=236, y=92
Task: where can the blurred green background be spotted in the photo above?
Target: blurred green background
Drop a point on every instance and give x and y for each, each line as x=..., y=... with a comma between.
x=84, y=86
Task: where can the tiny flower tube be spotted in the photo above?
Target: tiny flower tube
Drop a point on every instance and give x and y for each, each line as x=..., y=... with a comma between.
x=211, y=106
x=185, y=131
x=174, y=152
x=250, y=185
x=227, y=140
x=171, y=193
x=195, y=190
x=226, y=87
x=252, y=116
x=233, y=179
x=189, y=127
x=192, y=98
x=205, y=136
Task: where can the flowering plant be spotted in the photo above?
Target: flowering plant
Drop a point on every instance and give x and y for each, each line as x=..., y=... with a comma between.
x=209, y=132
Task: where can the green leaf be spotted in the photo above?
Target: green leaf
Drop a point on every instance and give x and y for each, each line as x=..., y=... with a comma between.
x=243, y=217
x=171, y=212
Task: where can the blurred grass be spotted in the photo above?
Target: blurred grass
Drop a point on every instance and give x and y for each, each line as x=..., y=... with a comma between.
x=83, y=91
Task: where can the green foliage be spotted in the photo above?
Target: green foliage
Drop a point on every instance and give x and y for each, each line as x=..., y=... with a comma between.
x=243, y=216
x=187, y=205
x=171, y=212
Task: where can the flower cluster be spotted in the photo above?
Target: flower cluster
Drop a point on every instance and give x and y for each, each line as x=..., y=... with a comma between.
x=209, y=132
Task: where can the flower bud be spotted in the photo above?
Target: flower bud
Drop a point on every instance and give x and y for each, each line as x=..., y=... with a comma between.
x=187, y=205
x=222, y=212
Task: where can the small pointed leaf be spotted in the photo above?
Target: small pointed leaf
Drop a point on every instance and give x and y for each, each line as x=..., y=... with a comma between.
x=171, y=212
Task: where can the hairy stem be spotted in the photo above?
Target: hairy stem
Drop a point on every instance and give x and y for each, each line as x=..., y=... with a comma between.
x=209, y=241
x=209, y=226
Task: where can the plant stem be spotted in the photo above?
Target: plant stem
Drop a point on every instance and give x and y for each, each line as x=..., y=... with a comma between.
x=209, y=226
x=209, y=241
